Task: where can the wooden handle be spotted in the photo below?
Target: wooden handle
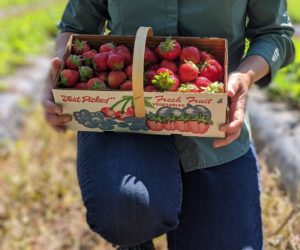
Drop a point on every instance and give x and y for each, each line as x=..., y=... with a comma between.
x=138, y=70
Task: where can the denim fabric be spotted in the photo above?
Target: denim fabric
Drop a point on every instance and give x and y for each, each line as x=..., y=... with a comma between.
x=134, y=190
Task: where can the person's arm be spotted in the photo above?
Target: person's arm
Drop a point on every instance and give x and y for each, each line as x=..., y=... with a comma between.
x=269, y=31
x=79, y=17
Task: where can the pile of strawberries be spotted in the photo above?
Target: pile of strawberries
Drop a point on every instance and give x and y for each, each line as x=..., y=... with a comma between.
x=168, y=67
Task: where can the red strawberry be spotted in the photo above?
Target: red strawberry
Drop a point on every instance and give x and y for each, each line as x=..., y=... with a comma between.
x=169, y=49
x=163, y=70
x=80, y=85
x=154, y=67
x=127, y=85
x=103, y=76
x=169, y=65
x=125, y=52
x=128, y=71
x=73, y=62
x=107, y=47
x=188, y=72
x=116, y=78
x=209, y=71
x=149, y=58
x=100, y=61
x=85, y=73
x=150, y=88
x=69, y=77
x=188, y=88
x=204, y=56
x=80, y=47
x=115, y=61
x=165, y=81
x=190, y=53
x=149, y=75
x=218, y=66
x=95, y=84
x=214, y=88
x=202, y=82
x=88, y=57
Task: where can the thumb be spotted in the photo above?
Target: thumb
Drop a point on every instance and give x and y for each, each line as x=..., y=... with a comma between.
x=233, y=86
x=55, y=65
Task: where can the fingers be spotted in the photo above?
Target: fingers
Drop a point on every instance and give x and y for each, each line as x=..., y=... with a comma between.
x=227, y=140
x=51, y=107
x=55, y=65
x=58, y=120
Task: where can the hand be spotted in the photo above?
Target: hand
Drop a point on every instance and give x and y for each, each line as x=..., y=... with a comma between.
x=53, y=112
x=238, y=85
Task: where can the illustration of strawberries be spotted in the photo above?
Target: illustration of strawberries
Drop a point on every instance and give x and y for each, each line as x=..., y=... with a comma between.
x=190, y=53
x=169, y=49
x=69, y=77
x=188, y=72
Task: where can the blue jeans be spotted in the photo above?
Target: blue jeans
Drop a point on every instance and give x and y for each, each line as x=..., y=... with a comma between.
x=133, y=190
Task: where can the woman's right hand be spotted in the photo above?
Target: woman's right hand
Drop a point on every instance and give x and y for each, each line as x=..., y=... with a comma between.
x=53, y=112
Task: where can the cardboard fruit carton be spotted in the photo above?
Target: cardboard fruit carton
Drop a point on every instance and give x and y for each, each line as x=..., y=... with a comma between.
x=138, y=111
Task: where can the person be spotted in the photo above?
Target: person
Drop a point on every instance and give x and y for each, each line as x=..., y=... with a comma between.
x=202, y=192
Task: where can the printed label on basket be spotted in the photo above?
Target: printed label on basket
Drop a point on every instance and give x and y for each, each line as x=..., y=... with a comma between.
x=166, y=112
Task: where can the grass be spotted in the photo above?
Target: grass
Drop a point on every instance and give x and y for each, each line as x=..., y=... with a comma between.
x=41, y=206
x=27, y=34
x=294, y=10
x=286, y=85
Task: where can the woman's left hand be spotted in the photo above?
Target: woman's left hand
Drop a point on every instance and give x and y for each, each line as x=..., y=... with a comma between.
x=238, y=85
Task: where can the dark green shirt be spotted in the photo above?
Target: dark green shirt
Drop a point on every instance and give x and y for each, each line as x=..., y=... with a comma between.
x=264, y=22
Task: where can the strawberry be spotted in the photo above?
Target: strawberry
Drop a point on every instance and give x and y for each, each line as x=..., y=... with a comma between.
x=155, y=66
x=80, y=85
x=125, y=52
x=95, y=84
x=209, y=71
x=202, y=82
x=218, y=66
x=73, y=62
x=127, y=85
x=80, y=47
x=188, y=88
x=204, y=56
x=188, y=72
x=103, y=76
x=214, y=88
x=163, y=70
x=190, y=53
x=166, y=81
x=69, y=77
x=88, y=57
x=169, y=49
x=150, y=57
x=116, y=78
x=115, y=61
x=107, y=47
x=85, y=73
x=149, y=75
x=100, y=61
x=128, y=71
x=169, y=65
x=150, y=88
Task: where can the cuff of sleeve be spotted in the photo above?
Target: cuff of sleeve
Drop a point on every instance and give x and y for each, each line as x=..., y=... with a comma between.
x=271, y=53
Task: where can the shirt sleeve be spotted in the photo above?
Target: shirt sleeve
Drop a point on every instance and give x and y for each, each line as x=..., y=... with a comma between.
x=269, y=30
x=84, y=16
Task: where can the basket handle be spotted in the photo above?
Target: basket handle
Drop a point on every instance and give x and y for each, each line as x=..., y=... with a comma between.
x=138, y=70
